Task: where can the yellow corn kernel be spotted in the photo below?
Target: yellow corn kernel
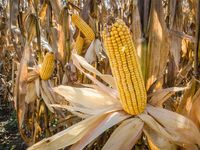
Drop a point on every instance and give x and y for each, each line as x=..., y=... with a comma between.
x=126, y=69
x=83, y=27
x=47, y=66
x=116, y=24
x=114, y=28
x=79, y=44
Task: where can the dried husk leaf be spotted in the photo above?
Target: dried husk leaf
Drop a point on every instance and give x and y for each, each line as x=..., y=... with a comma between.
x=186, y=103
x=195, y=111
x=31, y=27
x=107, y=78
x=37, y=87
x=94, y=50
x=125, y=136
x=21, y=85
x=86, y=97
x=90, y=55
x=112, y=119
x=160, y=96
x=158, y=47
x=31, y=94
x=68, y=136
x=46, y=96
x=156, y=141
x=162, y=131
x=83, y=112
x=46, y=85
x=43, y=11
x=78, y=131
x=184, y=131
x=177, y=24
x=56, y=5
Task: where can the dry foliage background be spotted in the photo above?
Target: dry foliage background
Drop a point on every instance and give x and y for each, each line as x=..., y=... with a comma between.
x=165, y=34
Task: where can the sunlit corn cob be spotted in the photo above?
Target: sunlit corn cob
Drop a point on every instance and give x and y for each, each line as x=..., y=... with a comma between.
x=83, y=27
x=47, y=66
x=125, y=67
x=79, y=44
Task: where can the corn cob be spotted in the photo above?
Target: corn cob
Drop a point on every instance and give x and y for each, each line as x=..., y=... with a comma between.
x=125, y=67
x=47, y=66
x=83, y=27
x=79, y=44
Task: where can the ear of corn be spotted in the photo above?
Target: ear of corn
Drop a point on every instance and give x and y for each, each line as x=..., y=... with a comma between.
x=125, y=67
x=79, y=44
x=47, y=66
x=83, y=27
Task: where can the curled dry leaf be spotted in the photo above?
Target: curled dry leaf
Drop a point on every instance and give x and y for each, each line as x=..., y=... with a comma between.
x=80, y=61
x=78, y=111
x=125, y=136
x=185, y=105
x=107, y=78
x=190, y=102
x=80, y=131
x=160, y=96
x=86, y=97
x=149, y=121
x=95, y=49
x=48, y=90
x=31, y=27
x=184, y=131
x=86, y=112
x=33, y=75
x=66, y=137
x=195, y=111
x=156, y=141
x=47, y=95
x=110, y=120
x=90, y=55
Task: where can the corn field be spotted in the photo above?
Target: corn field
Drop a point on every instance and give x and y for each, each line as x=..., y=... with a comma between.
x=102, y=74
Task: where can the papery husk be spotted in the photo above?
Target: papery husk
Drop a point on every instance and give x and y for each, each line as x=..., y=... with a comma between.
x=182, y=130
x=86, y=131
x=125, y=136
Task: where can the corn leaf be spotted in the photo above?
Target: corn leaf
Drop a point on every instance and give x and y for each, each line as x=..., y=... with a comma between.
x=31, y=94
x=112, y=119
x=156, y=141
x=86, y=97
x=160, y=96
x=21, y=85
x=78, y=131
x=107, y=78
x=106, y=89
x=195, y=111
x=46, y=96
x=183, y=130
x=158, y=47
x=125, y=136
